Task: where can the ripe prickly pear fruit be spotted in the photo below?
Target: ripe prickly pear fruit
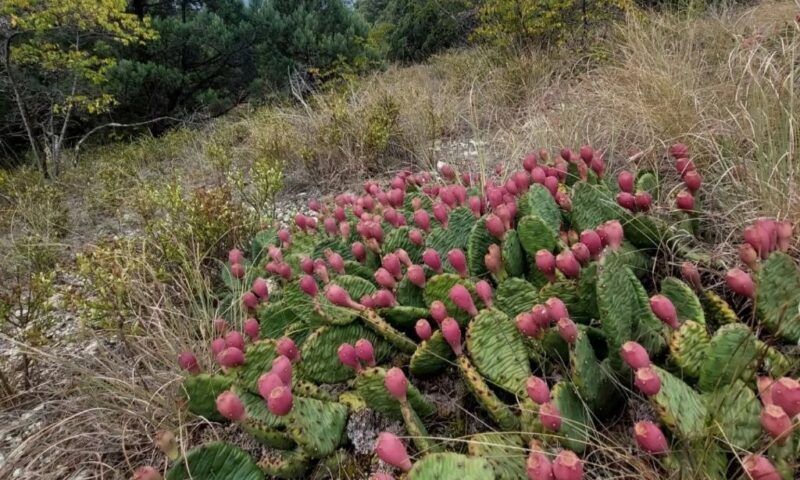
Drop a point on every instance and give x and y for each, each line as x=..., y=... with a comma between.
x=556, y=309
x=308, y=285
x=581, y=253
x=446, y=171
x=237, y=270
x=188, y=362
x=230, y=357
x=678, y=150
x=438, y=311
x=683, y=166
x=538, y=175
x=234, y=339
x=339, y=297
x=282, y=367
x=441, y=213
x=484, y=291
x=452, y=334
x=493, y=259
x=347, y=356
x=538, y=466
x=692, y=180
x=381, y=476
x=217, y=345
x=568, y=264
x=252, y=329
x=537, y=389
x=527, y=325
x=458, y=261
x=586, y=154
x=625, y=181
x=288, y=349
x=280, y=401
x=415, y=236
x=235, y=256
x=626, y=200
x=611, y=233
x=416, y=275
x=495, y=226
x=220, y=325
x=550, y=416
x=647, y=381
x=551, y=183
x=634, y=355
x=567, y=330
x=529, y=162
x=365, y=352
x=383, y=299
x=740, y=282
x=230, y=406
x=431, y=258
x=567, y=466
x=758, y=467
x=423, y=329
x=593, y=242
x=267, y=383
x=643, y=201
x=391, y=450
x=146, y=473
x=786, y=394
x=463, y=300
x=307, y=265
x=748, y=256
x=784, y=235
x=396, y=383
x=384, y=278
x=541, y=315
x=663, y=308
x=422, y=220
x=249, y=300
x=691, y=275
x=546, y=262
x=650, y=438
x=359, y=251
x=685, y=201
x=336, y=262
x=776, y=422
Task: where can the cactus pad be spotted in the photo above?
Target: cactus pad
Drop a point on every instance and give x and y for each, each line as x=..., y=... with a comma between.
x=589, y=375
x=450, y=466
x=504, y=451
x=498, y=410
x=409, y=294
x=778, y=296
x=498, y=351
x=432, y=356
x=576, y=422
x=456, y=234
x=593, y=205
x=258, y=359
x=263, y=425
x=540, y=203
x=317, y=426
x=679, y=406
x=403, y=317
x=274, y=317
x=512, y=255
x=397, y=239
x=320, y=362
x=689, y=347
x=215, y=461
x=477, y=247
x=686, y=303
x=202, y=391
x=370, y=386
x=717, y=310
x=515, y=296
x=288, y=464
x=734, y=415
x=732, y=354
x=438, y=288
x=535, y=235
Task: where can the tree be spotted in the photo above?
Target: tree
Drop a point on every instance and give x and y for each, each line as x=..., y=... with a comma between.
x=56, y=56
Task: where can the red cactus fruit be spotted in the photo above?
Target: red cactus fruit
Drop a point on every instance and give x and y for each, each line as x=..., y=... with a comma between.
x=692, y=180
x=551, y=183
x=440, y=213
x=416, y=275
x=643, y=201
x=556, y=309
x=647, y=381
x=598, y=165
x=448, y=197
x=230, y=357
x=422, y=220
x=307, y=265
x=230, y=406
x=567, y=466
x=300, y=221
x=331, y=227
x=538, y=466
x=235, y=256
x=447, y=171
x=550, y=416
x=335, y=261
x=347, y=356
x=252, y=329
x=438, y=311
x=146, y=473
x=452, y=334
x=458, y=261
x=217, y=345
x=586, y=154
x=683, y=166
x=188, y=362
x=495, y=226
x=391, y=450
x=396, y=383
x=593, y=242
x=431, y=258
x=529, y=162
x=567, y=330
x=538, y=175
x=611, y=233
x=381, y=476
x=786, y=394
x=764, y=385
x=581, y=253
x=475, y=205
x=568, y=264
x=634, y=355
x=366, y=301
x=423, y=329
x=280, y=401
x=691, y=275
x=339, y=297
x=625, y=181
x=383, y=299
x=650, y=438
x=748, y=256
x=288, y=349
x=493, y=259
x=220, y=325
x=415, y=236
x=308, y=285
x=541, y=315
x=740, y=282
x=359, y=251
x=685, y=201
x=626, y=200
x=391, y=262
x=537, y=389
x=267, y=383
x=663, y=308
x=282, y=367
x=776, y=422
x=461, y=297
x=237, y=270
x=784, y=234
x=402, y=255
x=546, y=262
x=758, y=467
x=484, y=291
x=249, y=300
x=527, y=325
x=384, y=278
x=679, y=150
x=365, y=352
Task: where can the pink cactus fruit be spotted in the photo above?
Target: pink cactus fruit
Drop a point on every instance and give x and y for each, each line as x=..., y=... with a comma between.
x=384, y=278
x=391, y=450
x=438, y=311
x=567, y=330
x=556, y=309
x=422, y=220
x=634, y=355
x=748, y=256
x=367, y=302
x=308, y=285
x=217, y=345
x=758, y=467
x=452, y=334
x=625, y=181
x=786, y=394
x=568, y=265
x=461, y=297
x=280, y=401
x=267, y=383
x=663, y=308
x=626, y=200
x=537, y=390
x=495, y=226
x=335, y=261
x=693, y=180
x=567, y=466
x=188, y=362
x=647, y=381
x=423, y=329
x=347, y=356
x=237, y=270
x=678, y=150
x=691, y=275
x=415, y=236
x=381, y=476
x=784, y=235
x=493, y=259
x=288, y=349
x=359, y=251
x=146, y=473
x=685, y=201
x=550, y=416
x=740, y=282
x=416, y=275
x=527, y=325
x=613, y=233
x=581, y=253
x=249, y=300
x=447, y=172
x=235, y=256
x=586, y=153
x=776, y=422
x=458, y=261
x=765, y=385
x=650, y=438
x=234, y=339
x=441, y=213
x=538, y=175
x=545, y=262
x=538, y=466
x=396, y=383
x=383, y=299
x=431, y=258
x=484, y=291
x=593, y=242
x=252, y=329
x=282, y=367
x=365, y=352
x=339, y=297
x=230, y=357
x=230, y=406
x=307, y=265
x=643, y=201
x=541, y=315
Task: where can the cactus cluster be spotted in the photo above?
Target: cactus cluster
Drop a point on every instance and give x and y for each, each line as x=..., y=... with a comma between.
x=539, y=292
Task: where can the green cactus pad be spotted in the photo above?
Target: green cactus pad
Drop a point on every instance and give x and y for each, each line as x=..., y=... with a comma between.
x=450, y=466
x=258, y=360
x=576, y=422
x=581, y=309
x=773, y=361
x=477, y=247
x=538, y=202
x=589, y=375
x=388, y=332
x=689, y=347
x=396, y=239
x=535, y=235
x=409, y=294
x=515, y=296
x=633, y=257
x=274, y=317
x=438, y=288
x=504, y=451
x=683, y=297
x=497, y=349
x=263, y=425
x=732, y=354
x=370, y=386
x=643, y=231
x=679, y=406
x=356, y=269
x=698, y=459
x=289, y=464
x=778, y=296
x=319, y=360
x=647, y=182
x=717, y=310
x=215, y=461
x=427, y=203
x=336, y=245
x=734, y=415
x=513, y=257
x=317, y=426
x=456, y=234
x=201, y=393
x=498, y=410
x=403, y=317
x=593, y=205
x=432, y=356
x=262, y=240
x=587, y=294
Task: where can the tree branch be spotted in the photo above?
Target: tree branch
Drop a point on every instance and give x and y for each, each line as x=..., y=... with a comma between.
x=117, y=125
